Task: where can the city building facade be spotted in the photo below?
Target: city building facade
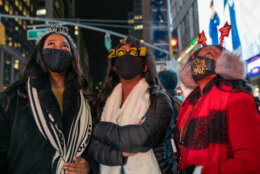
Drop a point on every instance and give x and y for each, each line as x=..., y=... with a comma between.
x=16, y=49
x=185, y=26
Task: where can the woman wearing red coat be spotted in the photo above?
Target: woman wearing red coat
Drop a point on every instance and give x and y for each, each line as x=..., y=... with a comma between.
x=218, y=127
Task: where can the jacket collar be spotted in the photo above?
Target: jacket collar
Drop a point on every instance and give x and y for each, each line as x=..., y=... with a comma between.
x=196, y=93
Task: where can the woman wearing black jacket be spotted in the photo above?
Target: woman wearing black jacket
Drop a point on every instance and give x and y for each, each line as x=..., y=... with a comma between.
x=135, y=115
x=45, y=117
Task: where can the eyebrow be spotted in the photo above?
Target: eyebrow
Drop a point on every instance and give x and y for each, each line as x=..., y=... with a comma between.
x=55, y=41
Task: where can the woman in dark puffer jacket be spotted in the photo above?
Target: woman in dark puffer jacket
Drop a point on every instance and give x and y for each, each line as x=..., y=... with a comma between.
x=135, y=115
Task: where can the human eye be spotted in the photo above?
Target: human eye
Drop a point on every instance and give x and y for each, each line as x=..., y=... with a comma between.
x=50, y=44
x=65, y=46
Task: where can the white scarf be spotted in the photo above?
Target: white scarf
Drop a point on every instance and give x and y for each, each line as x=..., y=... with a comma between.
x=79, y=134
x=132, y=111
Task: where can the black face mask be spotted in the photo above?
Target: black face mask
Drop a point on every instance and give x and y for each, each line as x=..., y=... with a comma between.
x=128, y=67
x=57, y=60
x=202, y=67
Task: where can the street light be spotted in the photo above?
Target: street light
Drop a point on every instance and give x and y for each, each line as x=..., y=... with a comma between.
x=174, y=45
x=174, y=42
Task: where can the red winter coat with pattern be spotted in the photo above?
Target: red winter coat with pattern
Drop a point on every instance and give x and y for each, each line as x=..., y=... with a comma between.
x=219, y=130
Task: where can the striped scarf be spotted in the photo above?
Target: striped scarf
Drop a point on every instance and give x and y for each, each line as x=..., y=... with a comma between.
x=79, y=134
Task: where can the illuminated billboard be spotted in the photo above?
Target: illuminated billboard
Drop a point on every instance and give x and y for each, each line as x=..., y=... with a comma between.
x=244, y=18
x=253, y=66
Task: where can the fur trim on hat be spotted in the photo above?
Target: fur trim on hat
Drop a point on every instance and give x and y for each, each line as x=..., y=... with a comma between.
x=185, y=76
x=229, y=66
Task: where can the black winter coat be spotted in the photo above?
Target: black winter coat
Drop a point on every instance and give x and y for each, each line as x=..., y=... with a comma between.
x=23, y=149
x=110, y=140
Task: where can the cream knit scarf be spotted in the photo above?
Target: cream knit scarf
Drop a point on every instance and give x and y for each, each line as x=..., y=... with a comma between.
x=131, y=112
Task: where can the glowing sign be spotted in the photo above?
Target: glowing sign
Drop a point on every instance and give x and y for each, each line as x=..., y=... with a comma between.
x=253, y=66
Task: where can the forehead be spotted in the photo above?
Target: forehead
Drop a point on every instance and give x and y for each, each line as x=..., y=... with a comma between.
x=126, y=47
x=210, y=52
x=56, y=37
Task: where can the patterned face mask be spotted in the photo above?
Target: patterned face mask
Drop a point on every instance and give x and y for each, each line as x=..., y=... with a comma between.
x=57, y=60
x=202, y=67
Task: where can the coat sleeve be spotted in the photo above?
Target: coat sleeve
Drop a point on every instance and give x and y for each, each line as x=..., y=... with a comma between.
x=243, y=123
x=139, y=138
x=93, y=164
x=105, y=154
x=4, y=136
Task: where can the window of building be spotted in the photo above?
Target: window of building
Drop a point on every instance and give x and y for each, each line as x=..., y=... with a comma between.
x=20, y=6
x=187, y=27
x=76, y=30
x=138, y=27
x=195, y=17
x=1, y=2
x=27, y=2
x=16, y=3
x=185, y=32
x=57, y=4
x=11, y=11
x=31, y=7
x=10, y=43
x=16, y=68
x=24, y=25
x=41, y=12
x=7, y=69
x=16, y=19
x=130, y=21
x=24, y=12
x=138, y=17
x=6, y=6
x=20, y=22
x=16, y=64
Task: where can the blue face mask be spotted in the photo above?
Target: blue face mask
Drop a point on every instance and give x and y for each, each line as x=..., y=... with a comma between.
x=57, y=60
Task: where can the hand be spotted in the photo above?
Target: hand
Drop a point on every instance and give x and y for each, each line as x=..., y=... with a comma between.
x=80, y=166
x=125, y=154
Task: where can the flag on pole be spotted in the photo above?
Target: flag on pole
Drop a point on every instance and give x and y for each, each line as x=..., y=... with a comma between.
x=108, y=41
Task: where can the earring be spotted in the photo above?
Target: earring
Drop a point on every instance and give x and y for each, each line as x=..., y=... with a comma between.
x=145, y=68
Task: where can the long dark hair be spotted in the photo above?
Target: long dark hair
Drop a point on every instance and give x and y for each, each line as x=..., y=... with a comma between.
x=112, y=79
x=36, y=60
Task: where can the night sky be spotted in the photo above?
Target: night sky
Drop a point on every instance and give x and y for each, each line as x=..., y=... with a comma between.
x=101, y=9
